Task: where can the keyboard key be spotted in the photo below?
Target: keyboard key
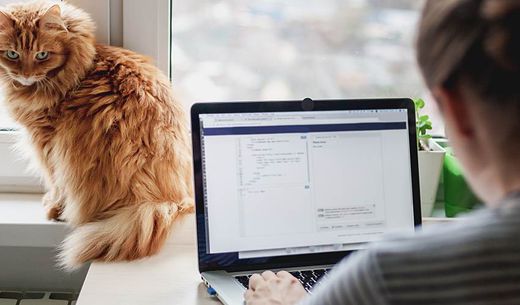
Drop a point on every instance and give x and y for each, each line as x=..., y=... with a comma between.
x=244, y=280
x=9, y=298
x=62, y=296
x=296, y=274
x=307, y=274
x=43, y=302
x=11, y=295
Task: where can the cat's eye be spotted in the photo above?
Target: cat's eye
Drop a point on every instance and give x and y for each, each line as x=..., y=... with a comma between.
x=42, y=55
x=12, y=55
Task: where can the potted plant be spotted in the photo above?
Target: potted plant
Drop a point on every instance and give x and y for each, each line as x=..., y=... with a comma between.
x=431, y=158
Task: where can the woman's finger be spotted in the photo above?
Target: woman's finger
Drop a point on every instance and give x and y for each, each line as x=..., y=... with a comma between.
x=285, y=275
x=269, y=275
x=248, y=294
x=255, y=280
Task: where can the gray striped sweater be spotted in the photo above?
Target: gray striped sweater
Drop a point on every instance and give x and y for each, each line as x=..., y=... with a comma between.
x=474, y=261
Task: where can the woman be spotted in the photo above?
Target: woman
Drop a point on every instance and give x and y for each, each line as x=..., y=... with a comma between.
x=469, y=54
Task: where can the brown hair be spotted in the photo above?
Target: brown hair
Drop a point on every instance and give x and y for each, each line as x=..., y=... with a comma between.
x=475, y=41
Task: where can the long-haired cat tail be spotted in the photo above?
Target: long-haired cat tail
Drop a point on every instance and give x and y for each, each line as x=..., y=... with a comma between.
x=104, y=128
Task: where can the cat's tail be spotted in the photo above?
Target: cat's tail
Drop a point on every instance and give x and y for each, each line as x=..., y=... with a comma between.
x=128, y=233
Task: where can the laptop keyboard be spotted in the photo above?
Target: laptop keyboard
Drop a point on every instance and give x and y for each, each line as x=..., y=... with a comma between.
x=308, y=278
x=37, y=297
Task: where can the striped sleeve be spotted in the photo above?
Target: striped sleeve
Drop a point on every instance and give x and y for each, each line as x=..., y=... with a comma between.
x=355, y=281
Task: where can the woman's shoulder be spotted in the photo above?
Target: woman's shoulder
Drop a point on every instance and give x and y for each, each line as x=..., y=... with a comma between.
x=486, y=233
x=457, y=262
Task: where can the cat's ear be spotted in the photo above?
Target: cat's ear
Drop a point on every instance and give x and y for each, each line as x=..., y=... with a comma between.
x=52, y=19
x=6, y=22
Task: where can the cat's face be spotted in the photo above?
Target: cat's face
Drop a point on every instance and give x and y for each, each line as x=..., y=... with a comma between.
x=32, y=47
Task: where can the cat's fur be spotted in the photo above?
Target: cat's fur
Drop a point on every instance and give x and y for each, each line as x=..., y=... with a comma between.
x=106, y=130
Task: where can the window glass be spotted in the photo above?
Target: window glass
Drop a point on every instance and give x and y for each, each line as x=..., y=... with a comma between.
x=290, y=49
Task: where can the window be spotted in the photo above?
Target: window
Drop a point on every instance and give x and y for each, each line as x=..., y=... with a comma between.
x=290, y=49
x=265, y=49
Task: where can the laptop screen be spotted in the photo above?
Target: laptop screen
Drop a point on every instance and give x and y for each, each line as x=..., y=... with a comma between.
x=290, y=183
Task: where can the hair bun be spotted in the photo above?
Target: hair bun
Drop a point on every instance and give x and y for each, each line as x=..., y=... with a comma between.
x=502, y=42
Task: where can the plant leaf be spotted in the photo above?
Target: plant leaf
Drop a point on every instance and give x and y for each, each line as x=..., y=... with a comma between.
x=423, y=124
x=419, y=103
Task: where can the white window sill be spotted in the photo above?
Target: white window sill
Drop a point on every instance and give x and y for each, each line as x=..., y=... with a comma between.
x=23, y=222
x=14, y=175
x=22, y=209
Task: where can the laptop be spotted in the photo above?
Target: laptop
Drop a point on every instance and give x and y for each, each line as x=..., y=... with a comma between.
x=298, y=185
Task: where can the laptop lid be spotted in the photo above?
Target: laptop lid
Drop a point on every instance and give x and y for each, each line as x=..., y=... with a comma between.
x=300, y=183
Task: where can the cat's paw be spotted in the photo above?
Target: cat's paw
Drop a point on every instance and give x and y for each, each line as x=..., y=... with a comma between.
x=54, y=213
x=53, y=206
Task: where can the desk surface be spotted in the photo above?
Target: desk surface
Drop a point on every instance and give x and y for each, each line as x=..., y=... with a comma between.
x=171, y=277
x=168, y=278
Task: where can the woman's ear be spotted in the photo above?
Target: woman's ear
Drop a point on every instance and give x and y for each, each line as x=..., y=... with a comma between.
x=456, y=111
x=52, y=19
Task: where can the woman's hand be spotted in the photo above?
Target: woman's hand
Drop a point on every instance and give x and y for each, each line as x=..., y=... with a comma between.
x=269, y=289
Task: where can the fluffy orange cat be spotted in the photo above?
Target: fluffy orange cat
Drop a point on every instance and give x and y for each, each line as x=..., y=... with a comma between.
x=110, y=139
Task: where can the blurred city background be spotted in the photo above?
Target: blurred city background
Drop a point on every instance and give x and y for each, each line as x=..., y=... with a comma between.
x=278, y=50
x=290, y=49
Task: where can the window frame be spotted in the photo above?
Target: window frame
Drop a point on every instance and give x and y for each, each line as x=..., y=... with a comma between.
x=126, y=28
x=149, y=38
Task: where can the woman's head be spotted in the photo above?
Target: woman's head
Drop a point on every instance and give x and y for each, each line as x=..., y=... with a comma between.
x=469, y=53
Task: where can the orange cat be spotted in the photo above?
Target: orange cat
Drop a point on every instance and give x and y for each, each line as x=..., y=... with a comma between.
x=110, y=138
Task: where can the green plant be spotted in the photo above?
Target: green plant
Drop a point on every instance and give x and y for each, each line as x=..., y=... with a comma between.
x=424, y=124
